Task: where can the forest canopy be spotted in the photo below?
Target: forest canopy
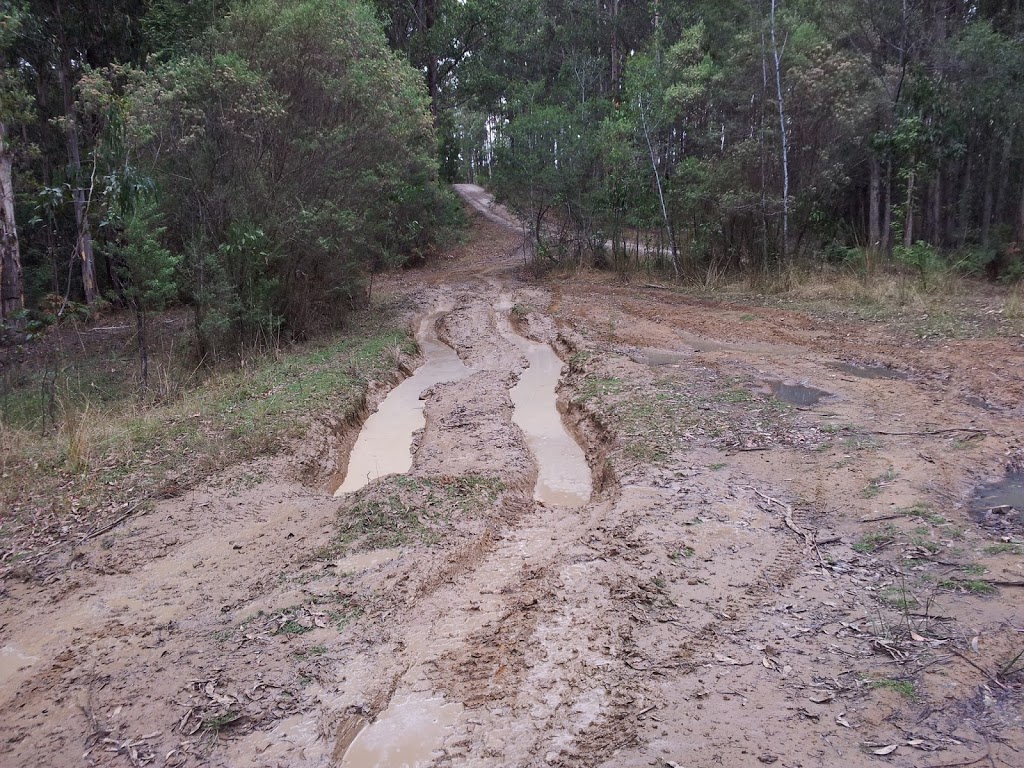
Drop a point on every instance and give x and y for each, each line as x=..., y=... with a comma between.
x=258, y=160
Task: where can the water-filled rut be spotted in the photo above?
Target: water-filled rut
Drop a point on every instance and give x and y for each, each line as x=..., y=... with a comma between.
x=563, y=475
x=384, y=445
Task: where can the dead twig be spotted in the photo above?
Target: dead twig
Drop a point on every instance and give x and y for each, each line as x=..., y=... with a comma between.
x=111, y=526
x=930, y=433
x=980, y=668
x=808, y=539
x=880, y=518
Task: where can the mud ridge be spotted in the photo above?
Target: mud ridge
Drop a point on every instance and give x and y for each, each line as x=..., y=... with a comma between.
x=585, y=423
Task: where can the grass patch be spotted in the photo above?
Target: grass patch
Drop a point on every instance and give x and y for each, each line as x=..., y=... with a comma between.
x=902, y=687
x=972, y=586
x=684, y=553
x=875, y=540
x=923, y=512
x=1005, y=548
x=898, y=597
x=735, y=395
x=400, y=510
x=102, y=451
x=593, y=387
x=877, y=484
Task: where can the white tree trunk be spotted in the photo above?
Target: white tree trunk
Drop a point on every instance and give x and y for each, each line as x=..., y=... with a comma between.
x=12, y=292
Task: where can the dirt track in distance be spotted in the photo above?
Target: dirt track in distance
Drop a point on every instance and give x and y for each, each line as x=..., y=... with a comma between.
x=752, y=581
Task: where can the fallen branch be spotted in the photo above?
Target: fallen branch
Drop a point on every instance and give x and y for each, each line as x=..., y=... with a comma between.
x=808, y=539
x=111, y=526
x=880, y=519
x=931, y=433
x=980, y=668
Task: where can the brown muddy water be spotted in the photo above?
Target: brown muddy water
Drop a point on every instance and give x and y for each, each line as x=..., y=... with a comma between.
x=870, y=371
x=563, y=475
x=797, y=394
x=1001, y=504
x=405, y=735
x=384, y=445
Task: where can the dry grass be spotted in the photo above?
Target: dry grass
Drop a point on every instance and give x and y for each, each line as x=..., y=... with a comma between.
x=1013, y=305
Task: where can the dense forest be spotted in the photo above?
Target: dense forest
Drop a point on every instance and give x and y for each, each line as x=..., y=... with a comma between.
x=259, y=160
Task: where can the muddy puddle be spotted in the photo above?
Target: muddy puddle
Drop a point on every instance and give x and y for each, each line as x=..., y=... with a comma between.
x=870, y=371
x=364, y=561
x=384, y=445
x=796, y=394
x=14, y=662
x=563, y=475
x=657, y=357
x=1000, y=505
x=405, y=735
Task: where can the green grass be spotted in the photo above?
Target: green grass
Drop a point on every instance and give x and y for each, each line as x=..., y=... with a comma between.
x=594, y=387
x=923, y=512
x=902, y=687
x=897, y=597
x=717, y=466
x=402, y=509
x=974, y=586
x=878, y=484
x=736, y=395
x=1005, y=548
x=684, y=553
x=104, y=452
x=875, y=540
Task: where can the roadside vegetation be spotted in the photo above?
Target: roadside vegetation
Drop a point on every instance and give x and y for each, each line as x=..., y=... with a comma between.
x=79, y=456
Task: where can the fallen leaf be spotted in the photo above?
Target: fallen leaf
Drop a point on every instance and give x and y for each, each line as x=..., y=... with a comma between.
x=841, y=720
x=823, y=698
x=888, y=750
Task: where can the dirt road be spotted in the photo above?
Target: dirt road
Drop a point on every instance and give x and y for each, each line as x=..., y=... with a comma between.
x=745, y=580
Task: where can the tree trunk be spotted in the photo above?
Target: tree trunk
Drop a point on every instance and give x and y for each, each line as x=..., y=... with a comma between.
x=960, y=226
x=83, y=242
x=874, y=191
x=661, y=191
x=140, y=331
x=908, y=218
x=999, y=214
x=935, y=209
x=616, y=62
x=986, y=208
x=887, y=210
x=1019, y=236
x=785, y=139
x=12, y=291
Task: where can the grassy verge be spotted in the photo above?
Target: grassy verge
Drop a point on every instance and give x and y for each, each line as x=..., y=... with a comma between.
x=105, y=454
x=401, y=509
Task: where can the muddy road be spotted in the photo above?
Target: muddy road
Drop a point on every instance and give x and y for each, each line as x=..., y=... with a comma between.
x=750, y=539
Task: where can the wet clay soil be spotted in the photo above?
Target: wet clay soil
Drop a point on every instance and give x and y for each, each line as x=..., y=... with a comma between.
x=744, y=582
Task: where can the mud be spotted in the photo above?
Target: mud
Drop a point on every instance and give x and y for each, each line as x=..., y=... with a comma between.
x=870, y=371
x=384, y=445
x=563, y=475
x=797, y=394
x=748, y=583
x=1000, y=505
